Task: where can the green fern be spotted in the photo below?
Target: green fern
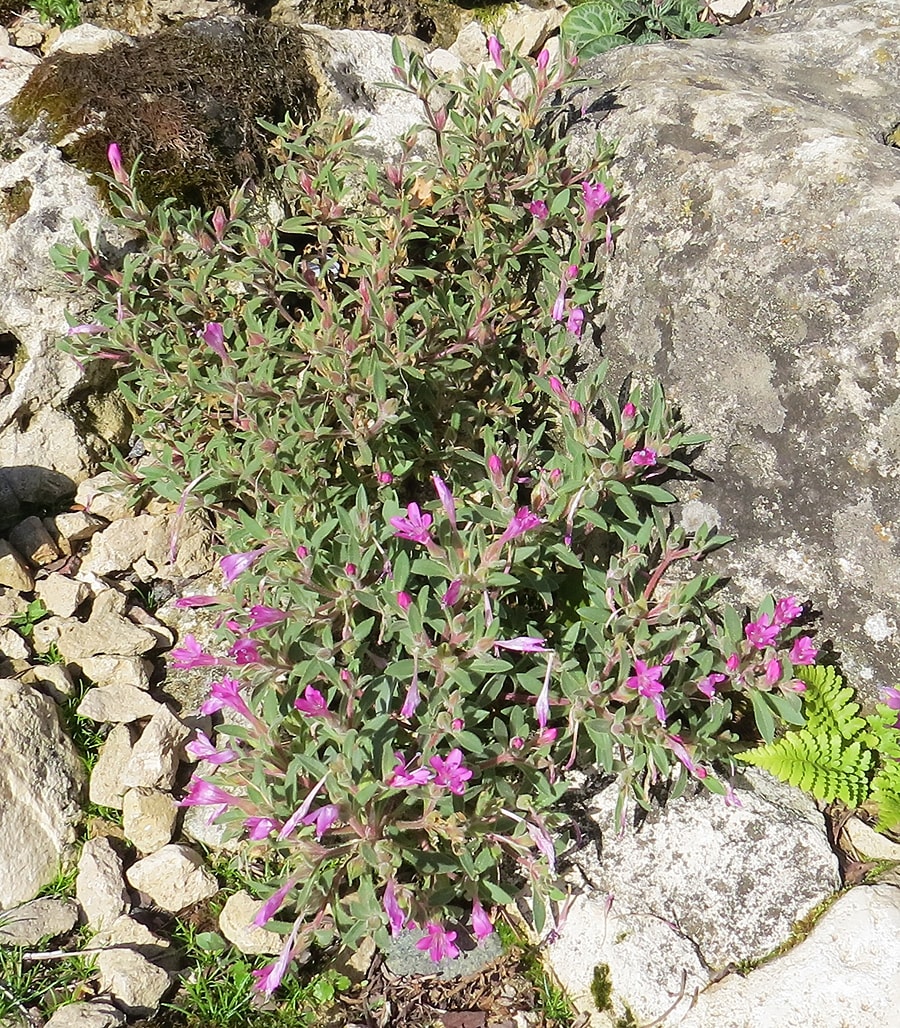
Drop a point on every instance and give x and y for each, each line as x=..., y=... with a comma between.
x=828, y=704
x=886, y=796
x=825, y=765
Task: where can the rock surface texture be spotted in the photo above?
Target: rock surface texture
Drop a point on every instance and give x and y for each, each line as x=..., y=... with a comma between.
x=756, y=276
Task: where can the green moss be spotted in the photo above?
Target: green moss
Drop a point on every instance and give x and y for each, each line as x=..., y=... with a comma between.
x=15, y=200
x=187, y=99
x=601, y=987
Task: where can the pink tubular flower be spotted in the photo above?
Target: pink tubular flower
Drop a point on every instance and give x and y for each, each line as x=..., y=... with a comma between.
x=437, y=940
x=204, y=794
x=542, y=706
x=268, y=978
x=733, y=662
x=415, y=526
x=773, y=671
x=762, y=633
x=557, y=387
x=787, y=610
x=219, y=223
x=446, y=498
x=226, y=693
x=538, y=209
x=451, y=596
x=541, y=838
x=214, y=336
x=396, y=917
x=201, y=748
x=245, y=651
x=676, y=745
x=236, y=564
x=522, y=644
x=404, y=600
x=412, y=700
x=495, y=53
x=260, y=827
x=646, y=680
x=803, y=651
x=188, y=602
x=92, y=328
x=114, y=156
x=273, y=904
x=301, y=811
x=481, y=923
x=524, y=520
x=262, y=616
x=450, y=773
x=558, y=310
x=596, y=195
x=575, y=322
x=190, y=655
x=312, y=703
x=546, y=737
x=403, y=778
x=543, y=59
x=645, y=458
x=495, y=466
x=629, y=410
x=323, y=818
x=708, y=684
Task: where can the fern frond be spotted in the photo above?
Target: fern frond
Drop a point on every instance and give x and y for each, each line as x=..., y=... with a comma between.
x=886, y=795
x=828, y=704
x=823, y=764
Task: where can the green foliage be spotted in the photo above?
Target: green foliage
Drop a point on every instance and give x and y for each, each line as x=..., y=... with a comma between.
x=25, y=621
x=451, y=573
x=551, y=1002
x=597, y=26
x=46, y=984
x=65, y=13
x=838, y=755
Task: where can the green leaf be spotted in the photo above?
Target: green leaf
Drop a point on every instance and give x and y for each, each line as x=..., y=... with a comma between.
x=762, y=712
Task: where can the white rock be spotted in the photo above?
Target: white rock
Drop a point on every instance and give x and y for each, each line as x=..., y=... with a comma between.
x=60, y=594
x=47, y=917
x=117, y=547
x=96, y=1014
x=104, y=634
x=12, y=645
x=126, y=931
x=148, y=818
x=15, y=67
x=52, y=680
x=155, y=756
x=136, y=984
x=88, y=39
x=470, y=45
x=528, y=27
x=14, y=572
x=117, y=703
x=41, y=783
x=107, y=787
x=105, y=496
x=68, y=530
x=731, y=11
x=236, y=924
x=174, y=878
x=841, y=974
x=100, y=886
x=117, y=671
x=869, y=843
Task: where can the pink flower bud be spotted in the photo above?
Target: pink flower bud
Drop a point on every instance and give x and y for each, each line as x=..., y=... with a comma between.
x=457, y=724
x=114, y=155
x=543, y=59
x=572, y=272
x=557, y=387
x=219, y=222
x=385, y=478
x=404, y=600
x=302, y=552
x=629, y=410
x=495, y=466
x=350, y=570
x=495, y=53
x=517, y=742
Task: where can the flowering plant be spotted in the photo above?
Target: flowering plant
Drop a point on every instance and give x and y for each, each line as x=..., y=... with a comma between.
x=452, y=577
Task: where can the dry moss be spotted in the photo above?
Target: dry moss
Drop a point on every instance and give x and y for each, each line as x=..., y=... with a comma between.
x=187, y=99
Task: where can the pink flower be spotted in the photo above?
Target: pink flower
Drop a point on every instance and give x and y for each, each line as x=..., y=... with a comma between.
x=412, y=700
x=762, y=633
x=708, y=684
x=404, y=600
x=524, y=520
x=323, y=818
x=450, y=773
x=457, y=724
x=188, y=602
x=733, y=662
x=517, y=742
x=803, y=651
x=557, y=387
x=676, y=745
x=190, y=655
x=114, y=156
x=226, y=693
x=645, y=458
x=542, y=706
x=245, y=651
x=273, y=904
x=451, y=596
x=522, y=644
x=260, y=827
x=538, y=209
x=268, y=978
x=403, y=778
x=396, y=917
x=219, y=223
x=204, y=794
x=201, y=748
x=385, y=478
x=731, y=797
x=438, y=941
x=214, y=336
x=415, y=526
x=312, y=703
x=236, y=564
x=629, y=410
x=262, y=616
x=558, y=311
x=596, y=195
x=576, y=321
x=646, y=680
x=543, y=59
x=773, y=671
x=786, y=611
x=301, y=811
x=495, y=52
x=546, y=736
x=495, y=467
x=93, y=328
x=481, y=923
x=544, y=843
x=446, y=498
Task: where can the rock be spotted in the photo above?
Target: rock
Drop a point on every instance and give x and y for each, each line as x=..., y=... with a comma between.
x=117, y=547
x=126, y=931
x=33, y=542
x=151, y=15
x=107, y=787
x=52, y=680
x=96, y=1014
x=196, y=825
x=100, y=887
x=27, y=34
x=165, y=637
x=528, y=28
x=402, y=18
x=41, y=783
x=45, y=918
x=191, y=540
x=117, y=703
x=868, y=843
x=155, y=756
x=698, y=885
x=470, y=45
x=148, y=817
x=756, y=276
x=87, y=39
x=838, y=975
x=117, y=671
x=105, y=496
x=444, y=63
x=61, y=595
x=15, y=67
x=731, y=12
x=136, y=984
x=12, y=645
x=236, y=925
x=174, y=878
x=104, y=633
x=45, y=634
x=67, y=530
x=404, y=958
x=14, y=571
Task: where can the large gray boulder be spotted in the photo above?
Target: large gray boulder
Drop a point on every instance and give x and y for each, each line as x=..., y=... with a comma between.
x=756, y=276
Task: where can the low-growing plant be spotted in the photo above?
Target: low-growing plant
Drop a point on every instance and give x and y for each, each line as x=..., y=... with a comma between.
x=64, y=13
x=453, y=577
x=597, y=26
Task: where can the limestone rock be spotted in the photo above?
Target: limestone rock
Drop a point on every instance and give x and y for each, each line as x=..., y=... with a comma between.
x=100, y=887
x=68, y=530
x=12, y=645
x=756, y=276
x=52, y=680
x=117, y=703
x=698, y=884
x=470, y=45
x=61, y=595
x=236, y=924
x=87, y=39
x=529, y=27
x=117, y=547
x=148, y=818
x=15, y=67
x=104, y=634
x=135, y=983
x=105, y=496
x=96, y=1014
x=868, y=843
x=41, y=783
x=44, y=918
x=107, y=787
x=839, y=975
x=126, y=931
x=33, y=542
x=14, y=572
x=174, y=878
x=117, y=671
x=155, y=756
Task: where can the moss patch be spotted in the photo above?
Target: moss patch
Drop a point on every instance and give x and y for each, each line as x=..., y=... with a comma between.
x=187, y=99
